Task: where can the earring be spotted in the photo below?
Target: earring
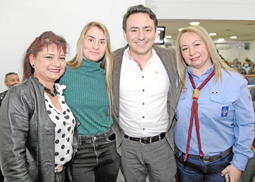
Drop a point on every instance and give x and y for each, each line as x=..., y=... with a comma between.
x=33, y=65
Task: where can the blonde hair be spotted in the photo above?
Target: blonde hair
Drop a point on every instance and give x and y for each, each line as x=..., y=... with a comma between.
x=215, y=58
x=107, y=60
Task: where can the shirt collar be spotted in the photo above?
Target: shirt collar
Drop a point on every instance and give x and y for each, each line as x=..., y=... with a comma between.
x=90, y=64
x=154, y=54
x=60, y=88
x=208, y=72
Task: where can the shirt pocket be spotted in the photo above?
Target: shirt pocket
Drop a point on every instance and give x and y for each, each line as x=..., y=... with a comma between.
x=180, y=105
x=222, y=106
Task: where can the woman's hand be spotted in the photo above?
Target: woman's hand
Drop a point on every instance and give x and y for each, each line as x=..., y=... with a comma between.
x=234, y=173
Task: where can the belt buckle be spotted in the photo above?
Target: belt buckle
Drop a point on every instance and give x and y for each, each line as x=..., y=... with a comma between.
x=204, y=159
x=141, y=139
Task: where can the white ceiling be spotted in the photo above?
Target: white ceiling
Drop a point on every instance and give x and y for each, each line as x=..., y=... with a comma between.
x=244, y=30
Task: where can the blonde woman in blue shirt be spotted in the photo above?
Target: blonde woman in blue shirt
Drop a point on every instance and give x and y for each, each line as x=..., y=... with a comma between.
x=214, y=131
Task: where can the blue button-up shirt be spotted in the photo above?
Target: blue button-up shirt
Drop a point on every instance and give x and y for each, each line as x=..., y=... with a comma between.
x=226, y=117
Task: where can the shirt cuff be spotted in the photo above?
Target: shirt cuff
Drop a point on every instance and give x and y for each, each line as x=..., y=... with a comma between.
x=240, y=161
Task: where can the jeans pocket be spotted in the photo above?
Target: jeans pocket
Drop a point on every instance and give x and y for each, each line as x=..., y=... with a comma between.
x=228, y=158
x=111, y=138
x=178, y=154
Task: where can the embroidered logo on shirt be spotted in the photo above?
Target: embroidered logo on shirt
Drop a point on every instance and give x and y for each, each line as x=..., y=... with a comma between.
x=184, y=90
x=224, y=111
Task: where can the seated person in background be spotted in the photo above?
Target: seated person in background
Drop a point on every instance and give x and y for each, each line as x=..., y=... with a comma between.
x=251, y=71
x=11, y=79
x=249, y=62
x=236, y=62
x=228, y=63
x=240, y=70
x=246, y=67
x=168, y=45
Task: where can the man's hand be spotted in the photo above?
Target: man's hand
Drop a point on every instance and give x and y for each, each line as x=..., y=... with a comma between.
x=234, y=173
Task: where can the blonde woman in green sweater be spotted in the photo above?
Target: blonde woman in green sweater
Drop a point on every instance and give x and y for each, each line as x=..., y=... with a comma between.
x=88, y=80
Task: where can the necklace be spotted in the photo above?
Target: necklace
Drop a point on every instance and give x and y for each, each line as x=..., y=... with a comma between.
x=49, y=91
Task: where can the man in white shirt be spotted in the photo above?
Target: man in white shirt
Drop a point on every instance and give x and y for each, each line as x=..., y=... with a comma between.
x=144, y=100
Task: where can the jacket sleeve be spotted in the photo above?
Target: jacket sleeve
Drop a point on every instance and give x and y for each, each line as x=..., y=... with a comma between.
x=14, y=127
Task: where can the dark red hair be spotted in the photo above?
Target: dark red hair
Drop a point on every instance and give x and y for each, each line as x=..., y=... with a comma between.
x=44, y=40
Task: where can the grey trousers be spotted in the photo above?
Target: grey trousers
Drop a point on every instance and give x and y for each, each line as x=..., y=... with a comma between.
x=155, y=160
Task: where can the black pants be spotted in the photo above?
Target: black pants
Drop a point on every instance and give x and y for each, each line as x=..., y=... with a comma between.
x=97, y=159
x=1, y=177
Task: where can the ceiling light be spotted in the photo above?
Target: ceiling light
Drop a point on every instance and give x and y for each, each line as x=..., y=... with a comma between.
x=194, y=23
x=233, y=37
x=221, y=39
x=168, y=36
x=212, y=34
x=180, y=29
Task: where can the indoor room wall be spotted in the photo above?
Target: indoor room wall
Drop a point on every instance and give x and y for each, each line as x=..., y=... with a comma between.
x=22, y=21
x=203, y=9
x=236, y=50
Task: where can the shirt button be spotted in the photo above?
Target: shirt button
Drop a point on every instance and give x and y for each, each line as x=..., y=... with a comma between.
x=143, y=117
x=143, y=103
x=143, y=128
x=142, y=76
x=143, y=90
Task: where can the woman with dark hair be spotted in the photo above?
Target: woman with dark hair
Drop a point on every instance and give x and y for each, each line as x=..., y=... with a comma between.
x=37, y=129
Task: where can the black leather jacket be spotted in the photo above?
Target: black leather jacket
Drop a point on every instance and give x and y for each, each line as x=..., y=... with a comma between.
x=27, y=135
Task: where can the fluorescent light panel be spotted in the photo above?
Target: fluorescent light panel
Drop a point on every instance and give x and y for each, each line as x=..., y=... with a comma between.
x=194, y=23
x=212, y=34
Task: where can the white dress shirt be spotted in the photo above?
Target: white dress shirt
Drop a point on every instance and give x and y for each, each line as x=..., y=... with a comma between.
x=143, y=97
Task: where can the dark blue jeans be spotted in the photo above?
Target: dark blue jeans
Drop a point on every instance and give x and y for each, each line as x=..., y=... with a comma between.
x=97, y=159
x=194, y=170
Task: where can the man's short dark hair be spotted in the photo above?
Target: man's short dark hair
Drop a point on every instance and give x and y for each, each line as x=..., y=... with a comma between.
x=138, y=9
x=11, y=73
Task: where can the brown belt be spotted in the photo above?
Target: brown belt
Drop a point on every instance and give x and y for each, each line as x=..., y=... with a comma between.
x=147, y=140
x=211, y=158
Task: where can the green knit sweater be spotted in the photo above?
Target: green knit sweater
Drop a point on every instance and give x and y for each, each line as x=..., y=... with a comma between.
x=87, y=97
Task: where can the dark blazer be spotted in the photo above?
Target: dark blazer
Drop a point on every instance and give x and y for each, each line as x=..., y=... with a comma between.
x=168, y=58
x=27, y=152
